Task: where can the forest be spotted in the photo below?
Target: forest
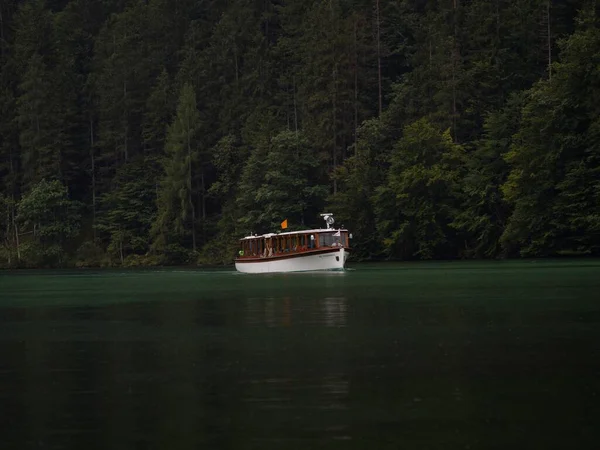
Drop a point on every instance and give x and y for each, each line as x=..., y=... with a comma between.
x=154, y=132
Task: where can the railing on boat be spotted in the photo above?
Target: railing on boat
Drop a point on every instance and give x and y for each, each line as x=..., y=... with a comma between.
x=290, y=244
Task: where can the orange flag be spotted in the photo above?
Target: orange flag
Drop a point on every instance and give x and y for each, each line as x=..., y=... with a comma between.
x=284, y=224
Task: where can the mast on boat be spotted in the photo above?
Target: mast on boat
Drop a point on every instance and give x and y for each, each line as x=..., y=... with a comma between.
x=328, y=217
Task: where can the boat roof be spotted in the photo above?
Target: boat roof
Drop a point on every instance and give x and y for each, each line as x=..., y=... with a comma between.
x=287, y=233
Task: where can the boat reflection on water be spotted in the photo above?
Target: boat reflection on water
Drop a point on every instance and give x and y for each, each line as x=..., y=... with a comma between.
x=335, y=311
x=287, y=312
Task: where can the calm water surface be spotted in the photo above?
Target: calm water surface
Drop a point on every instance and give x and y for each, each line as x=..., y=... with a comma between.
x=389, y=356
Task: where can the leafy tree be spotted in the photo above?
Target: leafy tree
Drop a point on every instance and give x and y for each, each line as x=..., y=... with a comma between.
x=358, y=179
x=554, y=159
x=128, y=210
x=418, y=203
x=280, y=182
x=47, y=213
x=485, y=211
x=228, y=160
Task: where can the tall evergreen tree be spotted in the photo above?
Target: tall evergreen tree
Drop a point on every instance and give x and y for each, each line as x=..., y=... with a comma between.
x=177, y=211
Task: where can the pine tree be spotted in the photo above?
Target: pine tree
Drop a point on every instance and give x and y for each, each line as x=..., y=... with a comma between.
x=159, y=109
x=41, y=157
x=177, y=213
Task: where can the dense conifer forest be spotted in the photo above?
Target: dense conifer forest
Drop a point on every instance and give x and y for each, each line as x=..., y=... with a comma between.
x=137, y=132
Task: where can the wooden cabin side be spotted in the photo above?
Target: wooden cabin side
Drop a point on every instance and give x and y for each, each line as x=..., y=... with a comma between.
x=291, y=244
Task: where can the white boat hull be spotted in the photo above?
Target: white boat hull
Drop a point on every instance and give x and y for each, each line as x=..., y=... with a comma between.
x=330, y=259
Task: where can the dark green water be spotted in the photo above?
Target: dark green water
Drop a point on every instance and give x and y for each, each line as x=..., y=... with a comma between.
x=399, y=356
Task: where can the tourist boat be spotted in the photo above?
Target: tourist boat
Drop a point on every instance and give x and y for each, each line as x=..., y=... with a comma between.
x=295, y=251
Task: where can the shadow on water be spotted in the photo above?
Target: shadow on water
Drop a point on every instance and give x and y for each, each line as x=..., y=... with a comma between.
x=440, y=355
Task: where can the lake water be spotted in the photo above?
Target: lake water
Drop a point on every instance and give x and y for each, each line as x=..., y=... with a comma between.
x=384, y=356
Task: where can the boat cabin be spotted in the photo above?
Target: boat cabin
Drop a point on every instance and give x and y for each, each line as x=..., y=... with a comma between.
x=292, y=243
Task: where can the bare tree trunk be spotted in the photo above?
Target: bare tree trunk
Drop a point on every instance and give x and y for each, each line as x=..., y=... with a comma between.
x=454, y=56
x=334, y=100
x=295, y=108
x=356, y=88
x=1, y=36
x=16, y=229
x=549, y=41
x=497, y=22
x=8, y=244
x=378, y=55
x=193, y=223
x=287, y=109
x=38, y=162
x=203, y=196
x=11, y=211
x=126, y=152
x=237, y=70
x=454, y=51
x=191, y=200
x=121, y=249
x=203, y=207
x=334, y=127
x=93, y=161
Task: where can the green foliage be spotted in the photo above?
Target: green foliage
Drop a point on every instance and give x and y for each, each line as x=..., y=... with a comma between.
x=431, y=129
x=90, y=254
x=280, y=182
x=176, y=208
x=416, y=205
x=553, y=182
x=159, y=109
x=228, y=160
x=359, y=178
x=52, y=219
x=126, y=212
x=485, y=211
x=6, y=233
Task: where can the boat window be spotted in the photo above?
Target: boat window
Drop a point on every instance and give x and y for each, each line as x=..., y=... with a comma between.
x=330, y=239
